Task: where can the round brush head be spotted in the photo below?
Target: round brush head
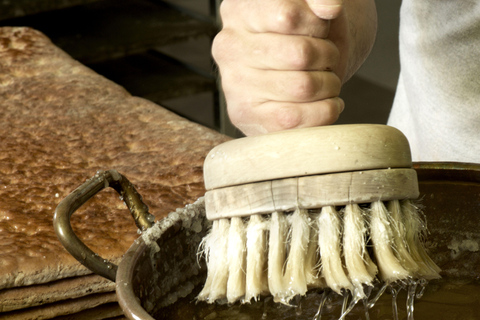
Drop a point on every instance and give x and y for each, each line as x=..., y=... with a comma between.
x=308, y=168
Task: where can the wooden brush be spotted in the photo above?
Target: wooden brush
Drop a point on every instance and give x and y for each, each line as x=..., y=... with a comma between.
x=324, y=207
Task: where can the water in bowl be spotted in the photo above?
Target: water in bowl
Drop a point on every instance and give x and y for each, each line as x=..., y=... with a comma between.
x=448, y=299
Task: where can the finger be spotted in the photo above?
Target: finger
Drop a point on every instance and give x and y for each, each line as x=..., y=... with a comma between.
x=287, y=86
x=286, y=17
x=281, y=52
x=269, y=51
x=275, y=116
x=326, y=9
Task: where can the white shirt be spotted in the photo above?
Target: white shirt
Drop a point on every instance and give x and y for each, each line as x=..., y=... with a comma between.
x=437, y=103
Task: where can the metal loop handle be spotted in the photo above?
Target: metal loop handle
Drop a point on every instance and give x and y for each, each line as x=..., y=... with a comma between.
x=65, y=209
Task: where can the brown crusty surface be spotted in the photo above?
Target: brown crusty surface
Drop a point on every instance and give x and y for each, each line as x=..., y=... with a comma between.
x=71, y=308
x=52, y=292
x=59, y=123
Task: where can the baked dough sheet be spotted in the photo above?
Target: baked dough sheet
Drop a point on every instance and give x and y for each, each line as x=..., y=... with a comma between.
x=60, y=123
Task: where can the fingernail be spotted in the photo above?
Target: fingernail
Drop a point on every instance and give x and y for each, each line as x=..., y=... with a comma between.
x=326, y=9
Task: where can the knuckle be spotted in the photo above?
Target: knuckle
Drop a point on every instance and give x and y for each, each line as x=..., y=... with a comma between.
x=331, y=112
x=301, y=55
x=235, y=117
x=303, y=86
x=219, y=46
x=226, y=8
x=308, y=54
x=288, y=118
x=287, y=17
x=238, y=111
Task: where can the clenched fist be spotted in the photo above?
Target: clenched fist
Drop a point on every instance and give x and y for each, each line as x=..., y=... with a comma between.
x=283, y=62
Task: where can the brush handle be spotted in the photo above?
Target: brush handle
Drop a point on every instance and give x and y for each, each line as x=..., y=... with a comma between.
x=310, y=192
x=304, y=152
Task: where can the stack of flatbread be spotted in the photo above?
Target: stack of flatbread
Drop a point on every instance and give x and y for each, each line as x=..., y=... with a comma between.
x=59, y=124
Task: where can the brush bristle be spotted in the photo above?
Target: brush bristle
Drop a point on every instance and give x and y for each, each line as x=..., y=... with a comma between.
x=330, y=231
x=257, y=248
x=237, y=260
x=361, y=269
x=346, y=249
x=215, y=248
x=277, y=253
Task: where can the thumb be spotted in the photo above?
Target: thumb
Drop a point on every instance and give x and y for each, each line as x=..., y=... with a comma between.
x=326, y=9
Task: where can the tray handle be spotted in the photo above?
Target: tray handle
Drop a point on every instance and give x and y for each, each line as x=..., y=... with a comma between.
x=65, y=209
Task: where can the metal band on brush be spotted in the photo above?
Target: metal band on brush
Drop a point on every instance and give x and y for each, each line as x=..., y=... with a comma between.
x=312, y=192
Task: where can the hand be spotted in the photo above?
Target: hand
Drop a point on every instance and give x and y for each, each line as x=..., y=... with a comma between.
x=282, y=62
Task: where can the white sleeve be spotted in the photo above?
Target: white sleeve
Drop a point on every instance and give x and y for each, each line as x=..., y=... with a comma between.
x=437, y=103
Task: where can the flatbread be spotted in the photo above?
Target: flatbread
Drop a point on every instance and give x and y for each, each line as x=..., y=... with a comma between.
x=110, y=311
x=67, y=307
x=60, y=123
x=70, y=288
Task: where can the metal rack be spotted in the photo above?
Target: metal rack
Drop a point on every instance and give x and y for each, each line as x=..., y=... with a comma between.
x=122, y=40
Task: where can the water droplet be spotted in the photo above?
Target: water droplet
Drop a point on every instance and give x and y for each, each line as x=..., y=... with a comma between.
x=394, y=302
x=380, y=292
x=411, y=299
x=323, y=298
x=423, y=285
x=265, y=314
x=298, y=308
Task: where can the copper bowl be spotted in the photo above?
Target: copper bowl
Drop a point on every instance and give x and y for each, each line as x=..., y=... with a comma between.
x=161, y=265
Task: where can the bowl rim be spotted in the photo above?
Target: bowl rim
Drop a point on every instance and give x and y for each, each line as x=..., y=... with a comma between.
x=130, y=304
x=127, y=300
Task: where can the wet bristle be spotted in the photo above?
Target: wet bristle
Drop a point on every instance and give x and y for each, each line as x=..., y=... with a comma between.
x=344, y=249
